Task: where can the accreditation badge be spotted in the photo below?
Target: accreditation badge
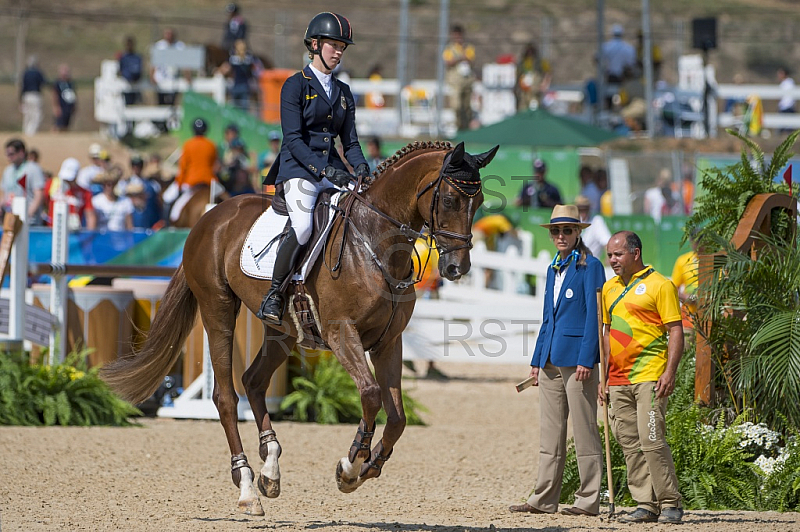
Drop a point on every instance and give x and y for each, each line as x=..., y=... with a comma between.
x=344, y=103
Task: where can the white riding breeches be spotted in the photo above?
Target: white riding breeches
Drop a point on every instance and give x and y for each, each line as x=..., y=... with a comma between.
x=301, y=195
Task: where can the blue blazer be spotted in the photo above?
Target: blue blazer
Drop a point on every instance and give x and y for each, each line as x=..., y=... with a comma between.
x=568, y=335
x=310, y=122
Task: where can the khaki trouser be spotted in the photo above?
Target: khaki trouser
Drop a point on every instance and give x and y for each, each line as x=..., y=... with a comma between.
x=31, y=112
x=637, y=419
x=460, y=99
x=561, y=395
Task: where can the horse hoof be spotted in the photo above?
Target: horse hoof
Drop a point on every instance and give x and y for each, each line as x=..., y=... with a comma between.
x=252, y=507
x=345, y=485
x=269, y=488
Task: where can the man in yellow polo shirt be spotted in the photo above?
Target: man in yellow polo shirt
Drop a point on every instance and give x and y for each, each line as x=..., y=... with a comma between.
x=684, y=277
x=643, y=343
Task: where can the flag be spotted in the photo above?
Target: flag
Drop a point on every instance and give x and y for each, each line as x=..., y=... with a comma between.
x=22, y=180
x=787, y=176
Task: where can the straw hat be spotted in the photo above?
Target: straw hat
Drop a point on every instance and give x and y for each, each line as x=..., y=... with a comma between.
x=112, y=175
x=566, y=215
x=582, y=201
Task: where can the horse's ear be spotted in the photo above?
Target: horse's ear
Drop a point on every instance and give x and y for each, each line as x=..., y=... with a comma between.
x=485, y=158
x=458, y=155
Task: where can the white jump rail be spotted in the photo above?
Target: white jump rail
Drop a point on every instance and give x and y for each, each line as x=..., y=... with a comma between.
x=765, y=92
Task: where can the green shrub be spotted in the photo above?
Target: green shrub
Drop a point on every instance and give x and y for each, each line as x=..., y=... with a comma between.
x=781, y=488
x=62, y=394
x=327, y=394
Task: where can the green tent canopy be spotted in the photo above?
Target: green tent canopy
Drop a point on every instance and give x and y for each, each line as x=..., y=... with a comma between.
x=538, y=128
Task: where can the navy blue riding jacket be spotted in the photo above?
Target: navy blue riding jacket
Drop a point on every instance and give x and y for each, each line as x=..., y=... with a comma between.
x=310, y=122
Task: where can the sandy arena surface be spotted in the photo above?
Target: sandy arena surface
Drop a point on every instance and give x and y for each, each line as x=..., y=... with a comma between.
x=477, y=455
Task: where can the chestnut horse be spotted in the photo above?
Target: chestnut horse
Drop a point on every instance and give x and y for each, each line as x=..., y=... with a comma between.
x=363, y=286
x=194, y=208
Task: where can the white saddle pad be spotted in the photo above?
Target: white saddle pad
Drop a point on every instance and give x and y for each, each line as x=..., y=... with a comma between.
x=261, y=245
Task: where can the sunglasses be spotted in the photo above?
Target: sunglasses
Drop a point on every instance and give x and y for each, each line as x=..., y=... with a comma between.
x=566, y=231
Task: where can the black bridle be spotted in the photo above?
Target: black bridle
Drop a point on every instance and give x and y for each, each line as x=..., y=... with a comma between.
x=459, y=185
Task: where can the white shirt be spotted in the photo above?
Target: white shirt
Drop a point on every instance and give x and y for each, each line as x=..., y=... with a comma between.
x=165, y=76
x=596, y=236
x=324, y=80
x=87, y=174
x=557, y=283
x=787, y=102
x=111, y=214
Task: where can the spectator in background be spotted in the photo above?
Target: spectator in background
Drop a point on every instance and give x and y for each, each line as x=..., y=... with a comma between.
x=238, y=170
x=268, y=157
x=198, y=166
x=684, y=277
x=533, y=77
x=618, y=56
x=459, y=59
x=165, y=77
x=589, y=189
x=30, y=97
x=786, y=103
x=65, y=100
x=144, y=216
x=113, y=212
x=130, y=69
x=65, y=187
x=224, y=149
x=657, y=56
x=244, y=68
x=374, y=155
x=22, y=178
x=687, y=190
x=374, y=98
x=597, y=235
x=539, y=193
x=660, y=199
x=96, y=166
x=235, y=28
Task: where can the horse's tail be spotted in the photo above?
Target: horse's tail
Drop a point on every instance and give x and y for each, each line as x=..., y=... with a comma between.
x=135, y=378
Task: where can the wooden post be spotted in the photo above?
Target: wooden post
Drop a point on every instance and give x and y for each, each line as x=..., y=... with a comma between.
x=11, y=226
x=704, y=364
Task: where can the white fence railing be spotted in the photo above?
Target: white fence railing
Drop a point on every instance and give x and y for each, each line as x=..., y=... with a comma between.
x=473, y=322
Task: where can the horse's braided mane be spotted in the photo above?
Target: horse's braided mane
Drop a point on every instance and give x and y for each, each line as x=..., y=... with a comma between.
x=401, y=153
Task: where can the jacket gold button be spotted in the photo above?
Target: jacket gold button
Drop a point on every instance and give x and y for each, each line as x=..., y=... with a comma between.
x=324, y=152
x=330, y=117
x=324, y=129
x=326, y=139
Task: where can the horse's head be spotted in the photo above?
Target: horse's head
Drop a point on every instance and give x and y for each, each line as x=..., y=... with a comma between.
x=455, y=195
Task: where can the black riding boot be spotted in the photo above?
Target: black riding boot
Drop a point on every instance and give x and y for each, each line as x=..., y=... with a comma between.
x=271, y=309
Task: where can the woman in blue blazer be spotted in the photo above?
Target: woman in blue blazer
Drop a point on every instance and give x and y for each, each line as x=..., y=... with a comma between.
x=564, y=367
x=315, y=109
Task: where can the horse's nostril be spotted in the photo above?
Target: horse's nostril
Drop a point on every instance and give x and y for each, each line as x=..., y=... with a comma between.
x=453, y=270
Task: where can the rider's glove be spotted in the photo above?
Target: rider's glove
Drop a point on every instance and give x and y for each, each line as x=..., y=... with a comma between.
x=362, y=170
x=340, y=178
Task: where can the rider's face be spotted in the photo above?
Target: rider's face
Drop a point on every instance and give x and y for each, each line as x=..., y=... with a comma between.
x=332, y=52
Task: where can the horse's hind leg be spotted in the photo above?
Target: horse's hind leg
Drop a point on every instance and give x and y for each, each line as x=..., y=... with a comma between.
x=219, y=319
x=388, y=365
x=273, y=352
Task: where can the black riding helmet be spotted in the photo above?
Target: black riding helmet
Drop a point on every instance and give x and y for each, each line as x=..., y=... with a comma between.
x=328, y=26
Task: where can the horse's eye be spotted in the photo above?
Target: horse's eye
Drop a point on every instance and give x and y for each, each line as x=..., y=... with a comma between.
x=447, y=201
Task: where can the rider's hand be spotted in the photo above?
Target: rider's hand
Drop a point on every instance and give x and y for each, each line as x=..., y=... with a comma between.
x=362, y=170
x=340, y=178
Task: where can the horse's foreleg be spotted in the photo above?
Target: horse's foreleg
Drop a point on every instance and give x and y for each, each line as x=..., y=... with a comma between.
x=350, y=353
x=388, y=371
x=256, y=379
x=219, y=326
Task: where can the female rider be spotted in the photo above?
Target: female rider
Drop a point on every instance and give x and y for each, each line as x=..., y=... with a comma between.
x=315, y=108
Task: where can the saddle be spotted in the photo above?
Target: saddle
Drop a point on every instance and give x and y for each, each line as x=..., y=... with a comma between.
x=260, y=248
